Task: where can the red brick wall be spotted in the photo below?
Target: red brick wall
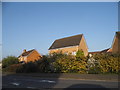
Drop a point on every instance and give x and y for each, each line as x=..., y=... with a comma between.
x=116, y=44
x=68, y=50
x=34, y=55
x=83, y=46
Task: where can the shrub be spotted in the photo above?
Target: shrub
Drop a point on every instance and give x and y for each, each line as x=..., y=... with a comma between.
x=54, y=56
x=69, y=64
x=43, y=65
x=79, y=54
x=108, y=63
x=27, y=68
x=12, y=68
x=9, y=60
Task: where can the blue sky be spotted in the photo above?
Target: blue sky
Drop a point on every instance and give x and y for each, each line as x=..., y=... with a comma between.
x=36, y=25
x=0, y=30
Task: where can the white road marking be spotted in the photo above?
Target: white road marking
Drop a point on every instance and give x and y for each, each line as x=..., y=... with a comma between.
x=47, y=81
x=16, y=84
x=30, y=87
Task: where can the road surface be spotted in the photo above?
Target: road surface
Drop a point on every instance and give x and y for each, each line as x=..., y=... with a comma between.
x=14, y=81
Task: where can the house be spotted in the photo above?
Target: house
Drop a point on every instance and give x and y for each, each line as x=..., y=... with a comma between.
x=31, y=55
x=0, y=65
x=115, y=48
x=99, y=52
x=96, y=52
x=69, y=45
x=105, y=50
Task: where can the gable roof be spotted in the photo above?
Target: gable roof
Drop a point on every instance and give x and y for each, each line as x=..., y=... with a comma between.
x=98, y=52
x=117, y=35
x=66, y=42
x=105, y=50
x=26, y=53
x=94, y=52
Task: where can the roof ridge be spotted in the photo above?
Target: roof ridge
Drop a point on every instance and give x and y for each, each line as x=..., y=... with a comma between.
x=27, y=53
x=30, y=50
x=69, y=37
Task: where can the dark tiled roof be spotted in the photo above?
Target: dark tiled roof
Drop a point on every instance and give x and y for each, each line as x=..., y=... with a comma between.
x=27, y=53
x=104, y=51
x=94, y=52
x=65, y=42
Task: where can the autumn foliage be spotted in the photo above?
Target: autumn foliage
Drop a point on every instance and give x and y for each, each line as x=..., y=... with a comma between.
x=63, y=63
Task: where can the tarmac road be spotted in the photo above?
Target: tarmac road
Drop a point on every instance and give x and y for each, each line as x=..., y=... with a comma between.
x=14, y=81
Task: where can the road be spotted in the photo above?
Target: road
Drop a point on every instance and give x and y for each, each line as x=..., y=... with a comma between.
x=14, y=81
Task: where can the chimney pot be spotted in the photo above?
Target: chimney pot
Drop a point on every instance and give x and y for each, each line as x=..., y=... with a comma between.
x=24, y=50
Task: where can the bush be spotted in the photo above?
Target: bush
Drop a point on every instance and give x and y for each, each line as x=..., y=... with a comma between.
x=54, y=56
x=62, y=63
x=9, y=60
x=94, y=70
x=12, y=68
x=108, y=63
x=79, y=54
x=69, y=64
x=41, y=65
x=27, y=68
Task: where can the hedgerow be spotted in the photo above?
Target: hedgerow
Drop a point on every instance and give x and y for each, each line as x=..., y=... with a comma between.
x=108, y=63
x=62, y=63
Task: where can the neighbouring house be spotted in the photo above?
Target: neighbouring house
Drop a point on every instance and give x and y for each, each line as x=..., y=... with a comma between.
x=31, y=55
x=0, y=65
x=115, y=48
x=92, y=53
x=69, y=45
x=96, y=52
x=99, y=52
x=106, y=50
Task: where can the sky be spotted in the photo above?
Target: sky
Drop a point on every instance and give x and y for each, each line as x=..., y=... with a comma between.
x=29, y=25
x=0, y=30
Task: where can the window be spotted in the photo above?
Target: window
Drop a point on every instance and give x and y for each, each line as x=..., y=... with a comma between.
x=66, y=53
x=74, y=53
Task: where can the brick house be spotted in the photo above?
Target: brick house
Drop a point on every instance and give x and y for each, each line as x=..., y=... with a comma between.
x=31, y=55
x=116, y=43
x=115, y=47
x=69, y=45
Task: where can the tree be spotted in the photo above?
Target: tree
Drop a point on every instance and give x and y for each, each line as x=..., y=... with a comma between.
x=79, y=55
x=9, y=60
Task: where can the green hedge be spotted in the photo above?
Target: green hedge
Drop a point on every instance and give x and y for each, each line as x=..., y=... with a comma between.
x=41, y=65
x=12, y=68
x=108, y=63
x=69, y=64
x=9, y=60
x=62, y=63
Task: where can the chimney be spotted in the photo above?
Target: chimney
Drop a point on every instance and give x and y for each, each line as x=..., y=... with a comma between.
x=24, y=50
